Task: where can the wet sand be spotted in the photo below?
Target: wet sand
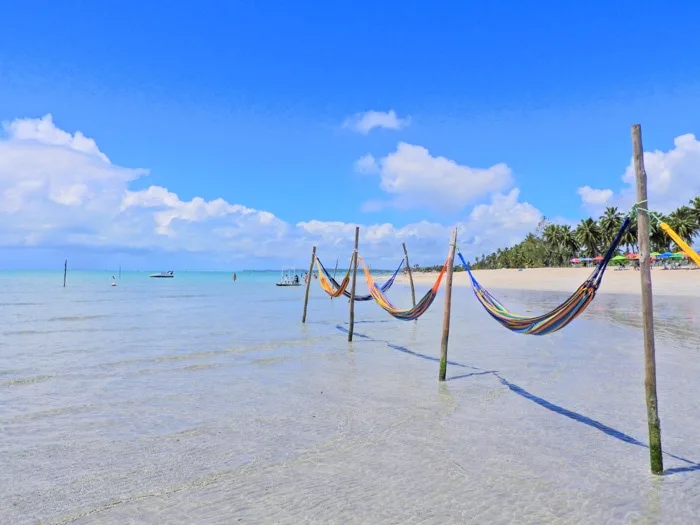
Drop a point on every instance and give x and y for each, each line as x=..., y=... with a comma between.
x=682, y=282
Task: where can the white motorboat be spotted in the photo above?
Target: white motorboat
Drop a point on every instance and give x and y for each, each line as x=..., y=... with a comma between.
x=163, y=275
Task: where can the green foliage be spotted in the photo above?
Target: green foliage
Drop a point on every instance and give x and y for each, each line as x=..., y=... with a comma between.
x=556, y=244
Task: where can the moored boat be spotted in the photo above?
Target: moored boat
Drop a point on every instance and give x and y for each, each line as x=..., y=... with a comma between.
x=289, y=278
x=163, y=275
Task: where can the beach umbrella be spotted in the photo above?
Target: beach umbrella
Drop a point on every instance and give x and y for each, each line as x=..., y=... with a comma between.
x=655, y=254
x=632, y=256
x=618, y=259
x=677, y=256
x=599, y=258
x=575, y=260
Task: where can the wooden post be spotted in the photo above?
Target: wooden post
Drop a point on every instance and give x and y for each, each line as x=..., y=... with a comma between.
x=65, y=272
x=336, y=267
x=309, y=276
x=657, y=465
x=448, y=306
x=351, y=328
x=410, y=275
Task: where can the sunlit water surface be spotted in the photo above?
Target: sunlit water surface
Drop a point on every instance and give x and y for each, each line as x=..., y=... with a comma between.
x=197, y=400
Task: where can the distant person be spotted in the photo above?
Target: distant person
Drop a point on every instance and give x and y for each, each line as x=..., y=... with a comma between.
x=234, y=277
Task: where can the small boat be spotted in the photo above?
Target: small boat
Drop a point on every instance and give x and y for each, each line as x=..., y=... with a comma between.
x=163, y=275
x=289, y=278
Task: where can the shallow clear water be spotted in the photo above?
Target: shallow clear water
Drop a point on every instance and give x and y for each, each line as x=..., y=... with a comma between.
x=197, y=400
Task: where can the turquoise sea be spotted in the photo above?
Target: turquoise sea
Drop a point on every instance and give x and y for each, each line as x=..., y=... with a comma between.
x=200, y=400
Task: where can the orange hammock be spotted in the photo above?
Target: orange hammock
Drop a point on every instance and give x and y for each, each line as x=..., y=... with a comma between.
x=409, y=314
x=325, y=283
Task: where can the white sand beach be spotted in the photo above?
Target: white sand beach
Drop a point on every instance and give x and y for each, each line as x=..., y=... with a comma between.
x=681, y=282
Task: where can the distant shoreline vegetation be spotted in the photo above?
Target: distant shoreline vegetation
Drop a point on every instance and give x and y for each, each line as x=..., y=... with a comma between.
x=555, y=245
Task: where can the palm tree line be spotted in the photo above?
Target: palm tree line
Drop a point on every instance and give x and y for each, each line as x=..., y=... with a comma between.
x=556, y=244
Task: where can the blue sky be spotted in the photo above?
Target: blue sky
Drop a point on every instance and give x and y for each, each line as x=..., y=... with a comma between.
x=246, y=101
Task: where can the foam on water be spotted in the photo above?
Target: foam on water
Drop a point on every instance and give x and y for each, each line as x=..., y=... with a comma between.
x=196, y=400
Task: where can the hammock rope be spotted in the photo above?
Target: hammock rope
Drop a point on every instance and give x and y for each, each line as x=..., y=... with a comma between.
x=334, y=289
x=560, y=316
x=384, y=288
x=408, y=314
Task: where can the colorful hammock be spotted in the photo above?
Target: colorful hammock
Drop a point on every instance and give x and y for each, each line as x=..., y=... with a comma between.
x=385, y=287
x=333, y=288
x=563, y=314
x=411, y=313
x=680, y=242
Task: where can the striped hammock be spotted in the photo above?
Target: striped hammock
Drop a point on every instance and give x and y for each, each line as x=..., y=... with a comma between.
x=411, y=313
x=385, y=287
x=562, y=315
x=334, y=290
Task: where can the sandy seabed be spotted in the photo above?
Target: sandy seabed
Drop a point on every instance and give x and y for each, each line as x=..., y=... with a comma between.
x=199, y=401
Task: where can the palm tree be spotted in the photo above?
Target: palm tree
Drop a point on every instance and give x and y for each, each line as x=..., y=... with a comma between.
x=629, y=238
x=695, y=207
x=553, y=244
x=569, y=241
x=684, y=222
x=589, y=236
x=610, y=223
x=660, y=242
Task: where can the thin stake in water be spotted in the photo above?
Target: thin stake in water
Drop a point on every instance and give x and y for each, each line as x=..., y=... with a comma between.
x=655, y=452
x=448, y=306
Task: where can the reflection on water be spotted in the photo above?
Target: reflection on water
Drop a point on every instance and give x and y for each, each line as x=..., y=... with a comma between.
x=201, y=401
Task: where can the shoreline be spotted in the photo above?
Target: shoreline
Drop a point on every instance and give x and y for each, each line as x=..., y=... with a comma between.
x=676, y=283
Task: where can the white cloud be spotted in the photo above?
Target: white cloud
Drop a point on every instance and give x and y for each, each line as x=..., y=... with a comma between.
x=506, y=212
x=369, y=120
x=44, y=131
x=591, y=197
x=502, y=222
x=673, y=178
x=416, y=179
x=59, y=189
x=54, y=185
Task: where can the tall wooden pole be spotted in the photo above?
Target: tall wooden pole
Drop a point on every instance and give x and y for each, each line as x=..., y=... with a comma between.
x=65, y=272
x=410, y=275
x=657, y=465
x=336, y=267
x=308, y=282
x=448, y=306
x=351, y=328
